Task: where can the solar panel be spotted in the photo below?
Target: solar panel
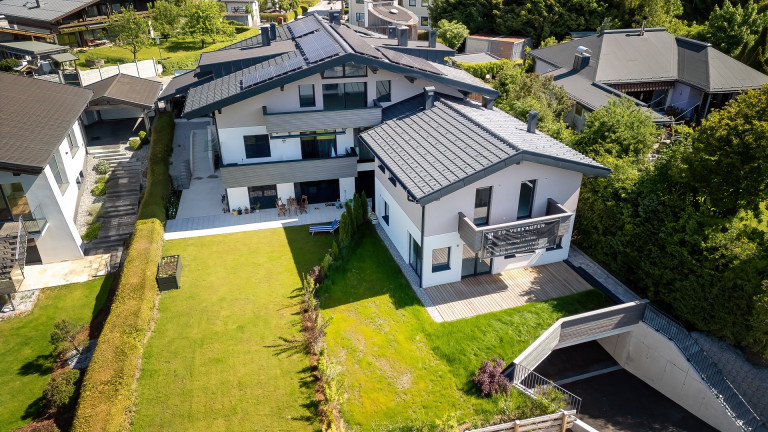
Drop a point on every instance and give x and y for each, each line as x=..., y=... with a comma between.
x=265, y=74
x=317, y=46
x=410, y=61
x=303, y=26
x=357, y=42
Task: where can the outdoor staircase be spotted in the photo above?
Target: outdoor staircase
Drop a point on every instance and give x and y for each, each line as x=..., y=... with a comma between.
x=113, y=156
x=13, y=256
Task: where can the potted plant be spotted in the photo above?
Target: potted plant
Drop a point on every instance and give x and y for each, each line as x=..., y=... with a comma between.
x=234, y=212
x=239, y=211
x=373, y=218
x=256, y=208
x=246, y=210
x=169, y=273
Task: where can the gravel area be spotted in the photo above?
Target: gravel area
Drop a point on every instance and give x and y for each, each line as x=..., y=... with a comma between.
x=23, y=301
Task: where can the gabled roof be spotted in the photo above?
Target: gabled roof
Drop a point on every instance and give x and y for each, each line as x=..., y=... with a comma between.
x=627, y=56
x=344, y=45
x=125, y=89
x=42, y=10
x=180, y=85
x=438, y=151
x=35, y=116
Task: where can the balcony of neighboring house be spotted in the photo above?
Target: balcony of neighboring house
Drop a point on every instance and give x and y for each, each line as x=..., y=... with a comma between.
x=352, y=117
x=520, y=237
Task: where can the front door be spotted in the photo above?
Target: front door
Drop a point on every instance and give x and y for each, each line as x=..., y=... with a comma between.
x=472, y=264
x=262, y=197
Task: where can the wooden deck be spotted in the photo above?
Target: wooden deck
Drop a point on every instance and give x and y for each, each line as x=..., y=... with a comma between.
x=490, y=293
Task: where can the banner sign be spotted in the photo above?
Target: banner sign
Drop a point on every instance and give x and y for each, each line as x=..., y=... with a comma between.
x=520, y=239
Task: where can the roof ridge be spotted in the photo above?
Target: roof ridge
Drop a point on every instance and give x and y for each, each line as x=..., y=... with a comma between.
x=495, y=134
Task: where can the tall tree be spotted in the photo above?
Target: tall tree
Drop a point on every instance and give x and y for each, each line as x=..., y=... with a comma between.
x=205, y=20
x=730, y=28
x=477, y=15
x=166, y=17
x=128, y=30
x=451, y=33
x=756, y=54
x=541, y=19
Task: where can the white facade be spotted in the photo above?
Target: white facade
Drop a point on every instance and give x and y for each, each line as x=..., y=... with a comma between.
x=238, y=11
x=57, y=204
x=441, y=218
x=358, y=11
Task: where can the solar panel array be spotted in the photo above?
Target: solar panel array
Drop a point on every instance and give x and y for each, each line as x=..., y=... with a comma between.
x=261, y=75
x=317, y=46
x=358, y=43
x=410, y=61
x=303, y=26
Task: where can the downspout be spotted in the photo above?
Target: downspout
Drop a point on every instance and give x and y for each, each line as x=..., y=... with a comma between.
x=421, y=273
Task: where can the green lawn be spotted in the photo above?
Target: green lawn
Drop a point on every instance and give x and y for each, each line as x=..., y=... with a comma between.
x=399, y=364
x=25, y=354
x=211, y=364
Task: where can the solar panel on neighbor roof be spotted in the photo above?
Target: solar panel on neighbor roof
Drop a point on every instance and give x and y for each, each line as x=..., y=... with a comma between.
x=303, y=26
x=357, y=42
x=410, y=61
x=317, y=46
x=260, y=75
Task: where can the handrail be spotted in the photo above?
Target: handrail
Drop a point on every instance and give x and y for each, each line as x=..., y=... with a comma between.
x=535, y=385
x=718, y=384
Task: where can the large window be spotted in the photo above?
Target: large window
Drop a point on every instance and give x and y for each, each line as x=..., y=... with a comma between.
x=348, y=70
x=482, y=205
x=58, y=174
x=321, y=146
x=411, y=2
x=441, y=259
x=384, y=91
x=424, y=3
x=414, y=255
x=257, y=146
x=72, y=142
x=345, y=95
x=359, y=17
x=385, y=217
x=525, y=204
x=306, y=95
x=425, y=21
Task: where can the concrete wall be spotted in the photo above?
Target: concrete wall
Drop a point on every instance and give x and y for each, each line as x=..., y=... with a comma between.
x=657, y=361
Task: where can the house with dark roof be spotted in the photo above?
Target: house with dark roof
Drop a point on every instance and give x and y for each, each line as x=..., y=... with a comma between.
x=677, y=78
x=464, y=189
x=288, y=106
x=42, y=156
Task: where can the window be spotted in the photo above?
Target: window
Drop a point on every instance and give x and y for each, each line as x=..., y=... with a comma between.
x=482, y=204
x=525, y=203
x=441, y=259
x=359, y=1
x=321, y=146
x=257, y=146
x=55, y=166
x=425, y=21
x=72, y=142
x=384, y=91
x=424, y=3
x=385, y=218
x=306, y=95
x=349, y=70
x=359, y=17
x=578, y=110
x=345, y=95
x=411, y=2
x=414, y=255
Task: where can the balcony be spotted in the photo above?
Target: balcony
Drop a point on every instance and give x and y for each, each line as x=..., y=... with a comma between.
x=323, y=119
x=35, y=222
x=519, y=237
x=301, y=170
x=13, y=256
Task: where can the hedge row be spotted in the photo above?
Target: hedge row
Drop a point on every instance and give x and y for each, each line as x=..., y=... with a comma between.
x=272, y=17
x=108, y=392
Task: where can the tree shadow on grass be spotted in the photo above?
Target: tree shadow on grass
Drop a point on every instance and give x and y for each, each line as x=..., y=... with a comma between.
x=33, y=410
x=40, y=365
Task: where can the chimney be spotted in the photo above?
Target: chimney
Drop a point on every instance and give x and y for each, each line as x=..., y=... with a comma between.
x=265, y=35
x=487, y=102
x=272, y=31
x=533, y=118
x=429, y=97
x=392, y=32
x=432, y=38
x=402, y=36
x=334, y=17
x=642, y=29
x=581, y=59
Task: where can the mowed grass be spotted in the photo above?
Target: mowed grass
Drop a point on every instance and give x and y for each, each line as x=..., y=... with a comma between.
x=400, y=366
x=211, y=364
x=25, y=353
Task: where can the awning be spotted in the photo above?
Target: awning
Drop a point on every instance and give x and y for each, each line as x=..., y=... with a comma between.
x=63, y=57
x=647, y=86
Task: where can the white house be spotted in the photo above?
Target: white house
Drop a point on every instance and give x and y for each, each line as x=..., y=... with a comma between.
x=463, y=189
x=378, y=14
x=243, y=11
x=42, y=155
x=289, y=104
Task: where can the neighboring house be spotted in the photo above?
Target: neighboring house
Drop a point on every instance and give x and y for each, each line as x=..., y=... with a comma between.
x=289, y=104
x=463, y=189
x=38, y=58
x=76, y=23
x=42, y=155
x=677, y=78
x=501, y=46
x=244, y=12
x=377, y=15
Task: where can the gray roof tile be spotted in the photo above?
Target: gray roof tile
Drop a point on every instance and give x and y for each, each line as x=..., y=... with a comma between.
x=48, y=10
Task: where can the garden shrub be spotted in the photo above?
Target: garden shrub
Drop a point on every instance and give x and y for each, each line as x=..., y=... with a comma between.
x=92, y=232
x=489, y=378
x=101, y=167
x=241, y=29
x=297, y=12
x=272, y=17
x=304, y=9
x=181, y=62
x=94, y=211
x=60, y=389
x=422, y=35
x=134, y=143
x=7, y=65
x=158, y=179
x=100, y=189
x=143, y=137
x=101, y=179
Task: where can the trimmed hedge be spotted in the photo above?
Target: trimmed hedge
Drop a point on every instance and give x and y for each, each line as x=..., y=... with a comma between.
x=304, y=9
x=272, y=17
x=158, y=180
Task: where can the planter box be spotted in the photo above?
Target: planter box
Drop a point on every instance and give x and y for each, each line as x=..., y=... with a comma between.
x=169, y=273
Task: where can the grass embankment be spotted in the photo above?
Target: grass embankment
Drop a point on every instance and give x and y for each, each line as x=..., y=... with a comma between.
x=400, y=366
x=211, y=363
x=108, y=393
x=26, y=354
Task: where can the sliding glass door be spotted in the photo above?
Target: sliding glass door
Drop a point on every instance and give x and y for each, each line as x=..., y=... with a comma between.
x=472, y=264
x=414, y=258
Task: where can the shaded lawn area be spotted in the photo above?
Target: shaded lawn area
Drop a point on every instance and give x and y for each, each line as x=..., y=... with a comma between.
x=210, y=364
x=400, y=364
x=25, y=353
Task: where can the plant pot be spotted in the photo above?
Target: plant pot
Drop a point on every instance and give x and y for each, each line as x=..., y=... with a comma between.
x=234, y=212
x=169, y=273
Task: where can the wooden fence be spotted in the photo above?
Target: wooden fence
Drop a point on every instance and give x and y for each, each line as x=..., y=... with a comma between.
x=558, y=422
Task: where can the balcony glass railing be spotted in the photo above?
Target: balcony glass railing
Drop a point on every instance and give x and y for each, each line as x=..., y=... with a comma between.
x=35, y=221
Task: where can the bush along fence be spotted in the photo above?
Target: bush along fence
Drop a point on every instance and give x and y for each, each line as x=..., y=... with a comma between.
x=328, y=375
x=109, y=387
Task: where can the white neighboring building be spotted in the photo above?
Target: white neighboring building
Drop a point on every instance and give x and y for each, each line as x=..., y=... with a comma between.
x=42, y=155
x=463, y=189
x=244, y=12
x=372, y=13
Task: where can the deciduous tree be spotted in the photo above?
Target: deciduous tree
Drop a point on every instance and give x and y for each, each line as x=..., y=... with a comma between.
x=166, y=17
x=205, y=20
x=451, y=33
x=730, y=28
x=128, y=30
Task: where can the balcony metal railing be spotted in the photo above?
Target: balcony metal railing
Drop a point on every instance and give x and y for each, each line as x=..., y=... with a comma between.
x=295, y=121
x=34, y=222
x=536, y=386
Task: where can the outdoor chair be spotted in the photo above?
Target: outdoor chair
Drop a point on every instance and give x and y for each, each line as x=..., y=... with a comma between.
x=280, y=207
x=324, y=228
x=303, y=204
